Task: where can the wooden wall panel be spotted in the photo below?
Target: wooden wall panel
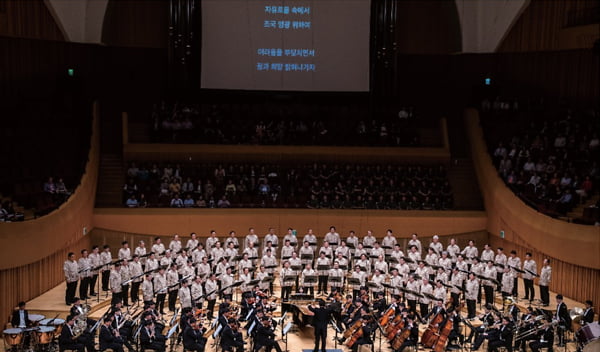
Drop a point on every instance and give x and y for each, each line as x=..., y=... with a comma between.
x=25, y=282
x=28, y=19
x=540, y=25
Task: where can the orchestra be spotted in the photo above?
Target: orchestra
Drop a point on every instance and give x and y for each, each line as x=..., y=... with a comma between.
x=426, y=296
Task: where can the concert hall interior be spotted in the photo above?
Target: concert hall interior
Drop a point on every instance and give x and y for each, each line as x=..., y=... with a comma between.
x=300, y=175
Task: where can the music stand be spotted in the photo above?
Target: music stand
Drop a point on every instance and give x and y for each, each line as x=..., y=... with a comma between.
x=344, y=267
x=284, y=333
x=296, y=267
x=392, y=260
x=350, y=245
x=323, y=267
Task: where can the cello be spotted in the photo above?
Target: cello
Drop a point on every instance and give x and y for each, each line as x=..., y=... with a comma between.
x=399, y=340
x=357, y=335
x=440, y=343
x=385, y=318
x=430, y=335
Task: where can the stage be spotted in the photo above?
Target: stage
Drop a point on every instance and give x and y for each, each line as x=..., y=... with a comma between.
x=51, y=304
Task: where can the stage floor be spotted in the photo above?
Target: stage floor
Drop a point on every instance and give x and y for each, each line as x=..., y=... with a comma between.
x=51, y=304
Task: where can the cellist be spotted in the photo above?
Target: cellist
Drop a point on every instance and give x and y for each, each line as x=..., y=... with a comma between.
x=413, y=337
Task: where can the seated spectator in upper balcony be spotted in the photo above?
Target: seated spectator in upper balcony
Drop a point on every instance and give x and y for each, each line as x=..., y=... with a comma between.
x=4, y=216
x=209, y=189
x=230, y=189
x=188, y=186
x=142, y=203
x=61, y=188
x=174, y=186
x=133, y=170
x=130, y=188
x=189, y=202
x=201, y=203
x=132, y=202
x=176, y=201
x=263, y=188
x=223, y=203
x=49, y=186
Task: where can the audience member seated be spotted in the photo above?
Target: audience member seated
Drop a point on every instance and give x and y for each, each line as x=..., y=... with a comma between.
x=317, y=186
x=549, y=159
x=289, y=124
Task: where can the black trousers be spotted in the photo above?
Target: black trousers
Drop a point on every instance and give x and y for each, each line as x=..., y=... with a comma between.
x=160, y=302
x=515, y=287
x=323, y=283
x=321, y=336
x=70, y=292
x=172, y=300
x=125, y=294
x=471, y=308
x=83, y=287
x=489, y=294
x=529, y=291
x=116, y=298
x=545, y=294
x=105, y=279
x=412, y=304
x=536, y=345
x=455, y=299
x=135, y=291
x=286, y=291
x=424, y=309
x=210, y=308
x=93, y=282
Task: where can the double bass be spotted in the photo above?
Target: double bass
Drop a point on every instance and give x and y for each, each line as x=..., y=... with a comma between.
x=399, y=340
x=440, y=343
x=430, y=335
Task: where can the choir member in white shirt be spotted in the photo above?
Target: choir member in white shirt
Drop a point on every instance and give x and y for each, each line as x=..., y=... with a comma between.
x=500, y=262
x=377, y=251
x=226, y=282
x=212, y=240
x=457, y=283
x=231, y=252
x=84, y=268
x=332, y=237
x=158, y=248
x=96, y=261
x=197, y=291
x=487, y=254
x=389, y=241
x=415, y=241
x=327, y=250
x=352, y=243
x=472, y=290
x=308, y=288
x=105, y=259
x=311, y=238
x=217, y=253
x=271, y=237
x=440, y=291
x=305, y=251
x=147, y=289
x=124, y=251
x=369, y=241
x=270, y=263
x=343, y=250
x=286, y=251
x=381, y=265
x=378, y=279
x=261, y=275
x=251, y=237
x=364, y=264
x=397, y=253
x=530, y=271
x=269, y=247
x=342, y=262
x=507, y=282
x=141, y=251
x=160, y=289
x=442, y=276
x=425, y=301
x=403, y=270
x=514, y=262
x=323, y=273
x=245, y=263
x=211, y=287
x=175, y=244
x=415, y=286
x=544, y=282
x=445, y=262
x=415, y=256
x=136, y=271
x=289, y=236
x=361, y=276
x=337, y=272
x=422, y=271
x=185, y=296
x=453, y=250
x=431, y=259
x=252, y=253
x=286, y=283
x=489, y=285
x=233, y=239
x=470, y=252
x=204, y=269
x=198, y=254
x=396, y=282
x=436, y=245
x=192, y=243
x=245, y=277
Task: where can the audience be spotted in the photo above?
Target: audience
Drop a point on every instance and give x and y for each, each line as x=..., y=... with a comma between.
x=332, y=186
x=549, y=159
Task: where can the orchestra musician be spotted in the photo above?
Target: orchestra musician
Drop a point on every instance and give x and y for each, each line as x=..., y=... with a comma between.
x=413, y=338
x=231, y=339
x=545, y=337
x=367, y=330
x=69, y=341
x=527, y=324
x=265, y=336
x=152, y=339
x=563, y=318
x=20, y=317
x=503, y=337
x=193, y=336
x=109, y=337
x=588, y=314
x=488, y=320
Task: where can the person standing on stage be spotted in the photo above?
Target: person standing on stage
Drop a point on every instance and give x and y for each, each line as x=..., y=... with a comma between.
x=135, y=270
x=124, y=251
x=115, y=284
x=332, y=237
x=544, y=282
x=105, y=259
x=95, y=261
x=84, y=265
x=311, y=239
x=530, y=271
x=320, y=322
x=323, y=261
x=70, y=269
x=563, y=318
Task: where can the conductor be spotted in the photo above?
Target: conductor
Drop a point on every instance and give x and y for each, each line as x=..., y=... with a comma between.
x=320, y=321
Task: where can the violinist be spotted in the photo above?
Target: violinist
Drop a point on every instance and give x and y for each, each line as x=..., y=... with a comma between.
x=454, y=333
x=379, y=304
x=413, y=337
x=151, y=339
x=265, y=336
x=231, y=338
x=193, y=337
x=353, y=313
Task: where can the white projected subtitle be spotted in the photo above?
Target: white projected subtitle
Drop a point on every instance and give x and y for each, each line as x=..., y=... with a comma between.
x=286, y=10
x=278, y=52
x=297, y=22
x=281, y=67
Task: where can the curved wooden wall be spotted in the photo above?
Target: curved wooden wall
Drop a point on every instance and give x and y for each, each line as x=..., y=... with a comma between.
x=574, y=248
x=33, y=251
